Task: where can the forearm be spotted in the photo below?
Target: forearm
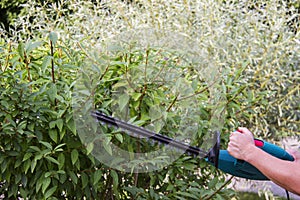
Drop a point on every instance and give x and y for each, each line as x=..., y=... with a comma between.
x=283, y=173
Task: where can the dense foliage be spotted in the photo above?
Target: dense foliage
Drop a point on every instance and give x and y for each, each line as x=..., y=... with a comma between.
x=253, y=45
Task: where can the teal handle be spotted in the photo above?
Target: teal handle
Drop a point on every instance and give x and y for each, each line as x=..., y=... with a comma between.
x=243, y=169
x=274, y=150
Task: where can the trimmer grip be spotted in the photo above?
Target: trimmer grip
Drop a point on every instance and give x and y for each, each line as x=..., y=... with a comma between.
x=243, y=169
x=273, y=149
x=238, y=168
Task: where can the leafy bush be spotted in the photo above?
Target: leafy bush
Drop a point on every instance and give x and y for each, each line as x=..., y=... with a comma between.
x=250, y=43
x=40, y=153
x=39, y=140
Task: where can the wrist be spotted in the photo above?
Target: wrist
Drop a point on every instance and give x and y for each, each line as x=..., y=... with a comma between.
x=251, y=154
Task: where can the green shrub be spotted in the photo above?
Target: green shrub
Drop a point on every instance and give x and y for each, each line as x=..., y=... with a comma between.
x=42, y=156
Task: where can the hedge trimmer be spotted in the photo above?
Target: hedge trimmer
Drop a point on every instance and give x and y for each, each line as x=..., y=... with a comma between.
x=221, y=159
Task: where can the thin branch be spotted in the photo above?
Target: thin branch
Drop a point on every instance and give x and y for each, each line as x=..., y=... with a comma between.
x=106, y=70
x=219, y=189
x=128, y=59
x=27, y=66
x=295, y=89
x=52, y=61
x=172, y=103
x=7, y=57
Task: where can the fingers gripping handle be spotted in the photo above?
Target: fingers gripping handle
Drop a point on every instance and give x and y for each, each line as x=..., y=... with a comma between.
x=240, y=168
x=272, y=149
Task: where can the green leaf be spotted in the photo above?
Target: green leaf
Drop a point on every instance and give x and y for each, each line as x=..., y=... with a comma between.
x=46, y=62
x=115, y=177
x=107, y=147
x=13, y=190
x=52, y=160
x=170, y=187
x=53, y=135
x=50, y=192
x=33, y=165
x=134, y=190
x=155, y=112
x=47, y=174
x=62, y=134
x=21, y=50
x=22, y=125
x=32, y=45
x=53, y=37
x=119, y=137
x=71, y=125
x=89, y=148
x=74, y=156
x=189, y=166
x=61, y=160
x=4, y=103
x=195, y=190
x=84, y=180
x=24, y=193
x=59, y=147
x=187, y=194
x=73, y=177
x=46, y=183
x=35, y=148
x=59, y=124
x=11, y=121
x=97, y=176
x=18, y=162
x=52, y=92
x=46, y=144
x=27, y=156
x=40, y=155
x=136, y=96
x=63, y=178
x=39, y=184
x=158, y=126
x=52, y=124
x=26, y=165
x=123, y=101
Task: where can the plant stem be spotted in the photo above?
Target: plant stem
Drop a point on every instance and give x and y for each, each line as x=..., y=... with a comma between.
x=219, y=189
x=52, y=61
x=7, y=57
x=172, y=103
x=27, y=66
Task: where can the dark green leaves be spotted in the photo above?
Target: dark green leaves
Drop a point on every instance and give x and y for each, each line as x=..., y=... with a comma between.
x=37, y=129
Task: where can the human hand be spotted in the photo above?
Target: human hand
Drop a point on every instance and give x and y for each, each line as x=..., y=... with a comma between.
x=240, y=144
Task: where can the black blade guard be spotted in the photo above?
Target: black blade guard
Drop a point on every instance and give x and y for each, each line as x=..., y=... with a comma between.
x=213, y=154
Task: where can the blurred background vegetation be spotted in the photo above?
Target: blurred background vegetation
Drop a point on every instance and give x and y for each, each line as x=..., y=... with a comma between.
x=44, y=44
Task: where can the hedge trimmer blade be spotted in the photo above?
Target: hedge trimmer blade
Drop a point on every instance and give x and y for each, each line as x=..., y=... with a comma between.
x=212, y=155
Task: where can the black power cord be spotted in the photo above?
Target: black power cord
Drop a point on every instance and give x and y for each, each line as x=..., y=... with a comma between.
x=287, y=195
